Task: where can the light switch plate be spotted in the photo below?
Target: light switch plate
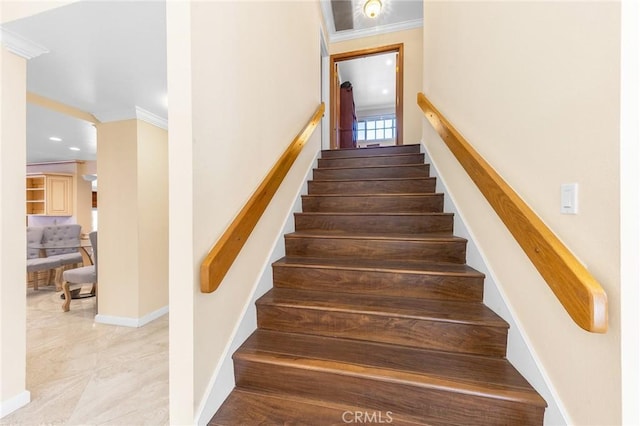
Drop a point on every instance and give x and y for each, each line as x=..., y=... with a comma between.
x=569, y=198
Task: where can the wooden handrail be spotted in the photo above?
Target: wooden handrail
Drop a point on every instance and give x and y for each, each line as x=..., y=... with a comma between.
x=577, y=290
x=220, y=258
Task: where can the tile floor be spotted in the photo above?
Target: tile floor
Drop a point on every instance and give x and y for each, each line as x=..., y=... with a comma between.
x=83, y=373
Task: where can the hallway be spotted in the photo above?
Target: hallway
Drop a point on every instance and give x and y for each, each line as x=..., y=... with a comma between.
x=81, y=372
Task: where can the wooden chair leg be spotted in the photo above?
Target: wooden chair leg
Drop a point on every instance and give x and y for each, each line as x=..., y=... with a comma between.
x=58, y=278
x=67, y=296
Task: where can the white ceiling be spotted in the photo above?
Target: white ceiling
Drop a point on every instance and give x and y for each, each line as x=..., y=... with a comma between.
x=396, y=15
x=374, y=82
x=106, y=58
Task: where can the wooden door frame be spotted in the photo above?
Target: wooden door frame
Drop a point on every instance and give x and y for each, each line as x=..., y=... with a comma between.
x=334, y=96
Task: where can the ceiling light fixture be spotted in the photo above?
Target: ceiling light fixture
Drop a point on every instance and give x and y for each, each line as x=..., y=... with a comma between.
x=55, y=138
x=74, y=148
x=372, y=8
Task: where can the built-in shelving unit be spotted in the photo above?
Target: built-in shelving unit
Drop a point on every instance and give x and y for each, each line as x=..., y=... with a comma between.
x=36, y=203
x=49, y=194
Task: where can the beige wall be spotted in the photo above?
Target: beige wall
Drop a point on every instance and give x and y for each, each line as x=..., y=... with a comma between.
x=118, y=224
x=412, y=78
x=13, y=80
x=534, y=86
x=253, y=73
x=83, y=195
x=133, y=224
x=153, y=214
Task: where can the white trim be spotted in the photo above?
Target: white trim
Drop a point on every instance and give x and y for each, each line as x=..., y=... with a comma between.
x=12, y=404
x=21, y=46
x=132, y=322
x=380, y=29
x=151, y=118
x=119, y=115
x=629, y=210
x=327, y=13
x=133, y=113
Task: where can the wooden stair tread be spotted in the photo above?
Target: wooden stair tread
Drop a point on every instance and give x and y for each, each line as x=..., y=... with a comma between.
x=474, y=374
x=390, y=154
x=401, y=214
x=381, y=166
x=244, y=407
x=380, y=266
x=366, y=160
x=371, y=151
x=453, y=312
x=431, y=236
x=374, y=179
x=398, y=195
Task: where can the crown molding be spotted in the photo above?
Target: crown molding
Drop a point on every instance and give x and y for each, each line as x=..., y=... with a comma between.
x=116, y=115
x=21, y=46
x=151, y=118
x=136, y=113
x=380, y=29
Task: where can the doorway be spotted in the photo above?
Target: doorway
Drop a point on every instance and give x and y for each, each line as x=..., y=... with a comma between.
x=364, y=124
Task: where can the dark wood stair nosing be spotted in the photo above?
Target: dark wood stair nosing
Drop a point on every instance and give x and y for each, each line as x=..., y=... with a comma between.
x=435, y=237
x=375, y=179
x=377, y=166
x=377, y=374
x=381, y=266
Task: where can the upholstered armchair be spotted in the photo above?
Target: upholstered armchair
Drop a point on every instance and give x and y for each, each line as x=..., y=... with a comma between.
x=83, y=275
x=38, y=268
x=69, y=257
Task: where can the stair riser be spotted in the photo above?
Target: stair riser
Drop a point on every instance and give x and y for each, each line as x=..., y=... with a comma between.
x=392, y=160
x=410, y=285
x=410, y=171
x=398, y=399
x=420, y=333
x=401, y=186
x=389, y=150
x=375, y=223
x=424, y=250
x=431, y=203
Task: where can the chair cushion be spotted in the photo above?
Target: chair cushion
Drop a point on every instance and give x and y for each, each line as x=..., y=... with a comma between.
x=86, y=274
x=42, y=264
x=66, y=259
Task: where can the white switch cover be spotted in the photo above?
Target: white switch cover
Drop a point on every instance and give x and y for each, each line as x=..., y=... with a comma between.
x=569, y=198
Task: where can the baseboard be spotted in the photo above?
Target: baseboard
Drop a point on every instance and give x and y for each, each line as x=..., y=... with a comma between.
x=132, y=322
x=12, y=404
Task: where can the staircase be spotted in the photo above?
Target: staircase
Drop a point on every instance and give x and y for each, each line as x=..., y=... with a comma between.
x=374, y=316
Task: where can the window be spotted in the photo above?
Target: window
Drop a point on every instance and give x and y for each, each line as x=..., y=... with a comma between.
x=377, y=129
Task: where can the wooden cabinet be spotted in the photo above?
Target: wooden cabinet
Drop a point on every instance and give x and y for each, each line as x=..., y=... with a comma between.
x=347, y=121
x=50, y=195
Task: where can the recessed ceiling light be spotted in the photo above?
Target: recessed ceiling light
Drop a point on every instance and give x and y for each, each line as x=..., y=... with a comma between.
x=385, y=91
x=55, y=138
x=74, y=148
